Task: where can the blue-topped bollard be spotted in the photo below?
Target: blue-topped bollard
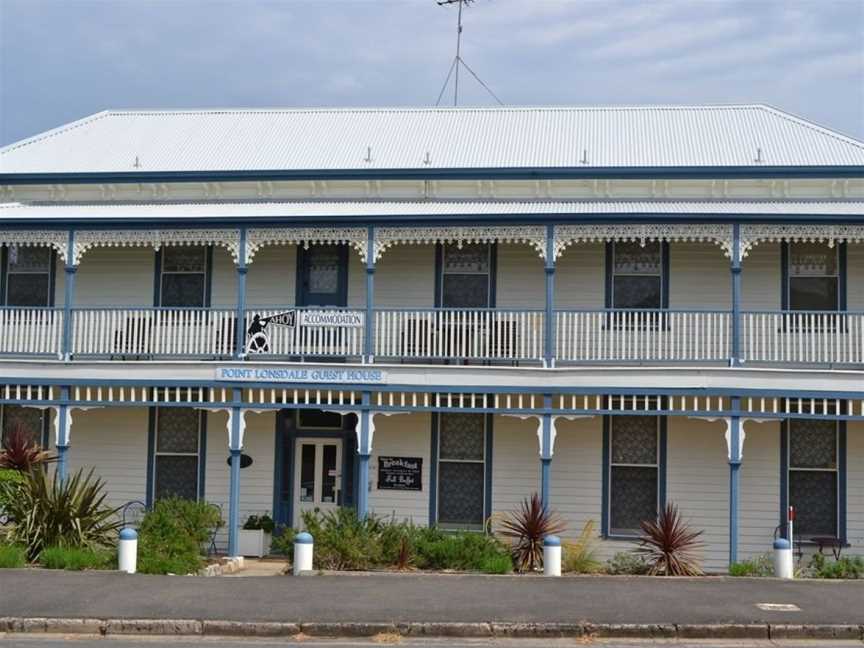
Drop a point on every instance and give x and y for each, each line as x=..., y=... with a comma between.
x=303, y=545
x=551, y=556
x=127, y=550
x=783, y=564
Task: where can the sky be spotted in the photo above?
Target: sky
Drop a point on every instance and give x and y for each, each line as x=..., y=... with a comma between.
x=64, y=59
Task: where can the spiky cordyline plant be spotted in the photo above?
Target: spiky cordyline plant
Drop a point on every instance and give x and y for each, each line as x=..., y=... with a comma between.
x=49, y=511
x=528, y=526
x=20, y=453
x=669, y=545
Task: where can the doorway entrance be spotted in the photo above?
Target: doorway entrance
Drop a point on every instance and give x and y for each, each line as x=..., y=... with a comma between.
x=317, y=476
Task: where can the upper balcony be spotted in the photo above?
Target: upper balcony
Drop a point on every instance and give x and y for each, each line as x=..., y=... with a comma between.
x=553, y=295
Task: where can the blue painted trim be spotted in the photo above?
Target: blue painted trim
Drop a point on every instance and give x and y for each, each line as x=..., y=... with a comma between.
x=784, y=478
x=433, y=471
x=240, y=316
x=439, y=271
x=734, y=480
x=62, y=448
x=488, y=467
x=157, y=278
x=842, y=279
x=236, y=448
x=608, y=261
x=457, y=173
x=68, y=293
x=202, y=456
x=364, y=451
x=545, y=481
x=370, y=294
x=303, y=538
x=493, y=274
x=842, y=484
x=550, y=345
x=151, y=456
x=208, y=277
x=4, y=262
x=278, y=468
x=663, y=450
x=664, y=275
x=735, y=360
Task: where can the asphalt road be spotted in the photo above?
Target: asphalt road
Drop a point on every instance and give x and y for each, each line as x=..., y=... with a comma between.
x=428, y=598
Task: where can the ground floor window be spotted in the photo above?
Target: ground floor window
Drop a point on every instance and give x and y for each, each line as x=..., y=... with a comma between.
x=634, y=476
x=462, y=470
x=177, y=461
x=29, y=420
x=814, y=476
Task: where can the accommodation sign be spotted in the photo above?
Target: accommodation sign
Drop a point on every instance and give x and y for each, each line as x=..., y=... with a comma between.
x=307, y=374
x=400, y=473
x=258, y=337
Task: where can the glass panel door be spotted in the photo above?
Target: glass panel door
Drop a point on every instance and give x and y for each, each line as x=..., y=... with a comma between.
x=318, y=476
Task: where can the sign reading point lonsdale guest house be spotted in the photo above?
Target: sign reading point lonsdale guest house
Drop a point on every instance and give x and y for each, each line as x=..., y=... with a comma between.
x=308, y=374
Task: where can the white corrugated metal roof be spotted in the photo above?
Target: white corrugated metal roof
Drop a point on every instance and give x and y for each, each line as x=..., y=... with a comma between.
x=372, y=209
x=400, y=138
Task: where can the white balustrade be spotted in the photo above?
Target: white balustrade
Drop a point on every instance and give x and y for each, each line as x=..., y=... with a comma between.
x=643, y=336
x=803, y=337
x=30, y=331
x=153, y=332
x=507, y=335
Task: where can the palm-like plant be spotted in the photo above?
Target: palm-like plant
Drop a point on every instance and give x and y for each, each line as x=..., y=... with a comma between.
x=21, y=453
x=49, y=511
x=527, y=527
x=668, y=545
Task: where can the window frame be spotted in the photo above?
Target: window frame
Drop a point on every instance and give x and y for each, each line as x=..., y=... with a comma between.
x=611, y=275
x=5, y=272
x=160, y=273
x=435, y=504
x=786, y=469
x=787, y=277
x=607, y=465
x=153, y=454
x=45, y=432
x=440, y=272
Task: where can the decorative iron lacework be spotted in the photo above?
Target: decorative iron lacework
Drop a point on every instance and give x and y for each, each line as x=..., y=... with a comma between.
x=634, y=440
x=387, y=237
x=633, y=497
x=257, y=238
x=54, y=239
x=753, y=235
x=177, y=430
x=87, y=239
x=813, y=444
x=460, y=493
x=176, y=476
x=462, y=437
x=567, y=235
x=813, y=493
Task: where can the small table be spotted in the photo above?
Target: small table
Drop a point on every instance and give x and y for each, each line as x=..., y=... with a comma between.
x=835, y=544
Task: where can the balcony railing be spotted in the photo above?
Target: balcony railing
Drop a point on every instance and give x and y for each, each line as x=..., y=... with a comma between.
x=435, y=335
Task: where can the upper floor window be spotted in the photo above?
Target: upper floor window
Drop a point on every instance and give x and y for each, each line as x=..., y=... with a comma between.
x=183, y=280
x=28, y=276
x=814, y=476
x=813, y=277
x=636, y=275
x=466, y=276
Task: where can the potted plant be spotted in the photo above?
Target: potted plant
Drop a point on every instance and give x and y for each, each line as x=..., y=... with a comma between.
x=254, y=537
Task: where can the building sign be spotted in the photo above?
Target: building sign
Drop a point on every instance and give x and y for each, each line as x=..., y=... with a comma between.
x=332, y=319
x=258, y=340
x=400, y=473
x=304, y=374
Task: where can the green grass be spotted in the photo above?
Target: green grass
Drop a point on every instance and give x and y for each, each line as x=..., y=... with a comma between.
x=12, y=556
x=759, y=566
x=75, y=558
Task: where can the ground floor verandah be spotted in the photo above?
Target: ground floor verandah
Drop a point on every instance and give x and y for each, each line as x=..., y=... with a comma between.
x=732, y=464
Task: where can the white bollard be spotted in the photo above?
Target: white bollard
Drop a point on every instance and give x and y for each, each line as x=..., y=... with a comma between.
x=127, y=551
x=783, y=564
x=551, y=556
x=303, y=546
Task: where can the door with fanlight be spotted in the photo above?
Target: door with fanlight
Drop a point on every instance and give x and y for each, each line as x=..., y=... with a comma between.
x=317, y=476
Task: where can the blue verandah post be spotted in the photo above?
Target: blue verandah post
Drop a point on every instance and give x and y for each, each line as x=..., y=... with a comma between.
x=549, y=324
x=364, y=450
x=546, y=451
x=240, y=332
x=735, y=456
x=61, y=440
x=368, y=339
x=735, y=358
x=68, y=297
x=235, y=448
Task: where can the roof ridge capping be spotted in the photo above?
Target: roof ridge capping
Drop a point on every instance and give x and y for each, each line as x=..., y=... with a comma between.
x=806, y=123
x=58, y=130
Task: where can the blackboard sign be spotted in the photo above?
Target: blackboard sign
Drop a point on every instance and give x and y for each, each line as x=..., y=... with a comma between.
x=400, y=473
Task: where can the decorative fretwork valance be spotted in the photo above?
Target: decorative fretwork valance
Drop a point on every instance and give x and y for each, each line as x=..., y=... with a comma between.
x=753, y=235
x=356, y=237
x=87, y=239
x=55, y=239
x=567, y=235
x=533, y=235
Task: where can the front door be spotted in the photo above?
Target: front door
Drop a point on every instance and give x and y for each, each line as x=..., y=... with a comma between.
x=323, y=275
x=317, y=476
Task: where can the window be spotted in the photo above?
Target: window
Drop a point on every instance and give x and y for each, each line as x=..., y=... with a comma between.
x=176, y=462
x=462, y=470
x=315, y=419
x=813, y=277
x=634, y=447
x=29, y=280
x=183, y=276
x=466, y=276
x=636, y=275
x=30, y=420
x=814, y=476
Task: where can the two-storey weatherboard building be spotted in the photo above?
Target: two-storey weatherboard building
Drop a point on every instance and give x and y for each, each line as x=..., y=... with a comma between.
x=434, y=313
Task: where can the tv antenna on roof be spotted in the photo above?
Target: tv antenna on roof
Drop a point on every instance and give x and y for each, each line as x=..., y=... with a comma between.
x=459, y=61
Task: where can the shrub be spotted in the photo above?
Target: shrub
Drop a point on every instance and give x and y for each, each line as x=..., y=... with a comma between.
x=21, y=453
x=49, y=511
x=15, y=479
x=668, y=545
x=467, y=551
x=759, y=566
x=844, y=567
x=75, y=558
x=580, y=555
x=342, y=540
x=627, y=563
x=283, y=541
x=173, y=534
x=262, y=522
x=12, y=556
x=527, y=527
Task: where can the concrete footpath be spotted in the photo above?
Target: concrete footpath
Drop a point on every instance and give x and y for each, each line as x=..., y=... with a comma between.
x=430, y=605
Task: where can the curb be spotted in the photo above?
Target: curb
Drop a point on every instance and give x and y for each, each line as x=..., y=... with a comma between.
x=194, y=627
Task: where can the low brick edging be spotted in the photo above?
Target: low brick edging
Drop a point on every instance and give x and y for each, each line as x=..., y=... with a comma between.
x=193, y=627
